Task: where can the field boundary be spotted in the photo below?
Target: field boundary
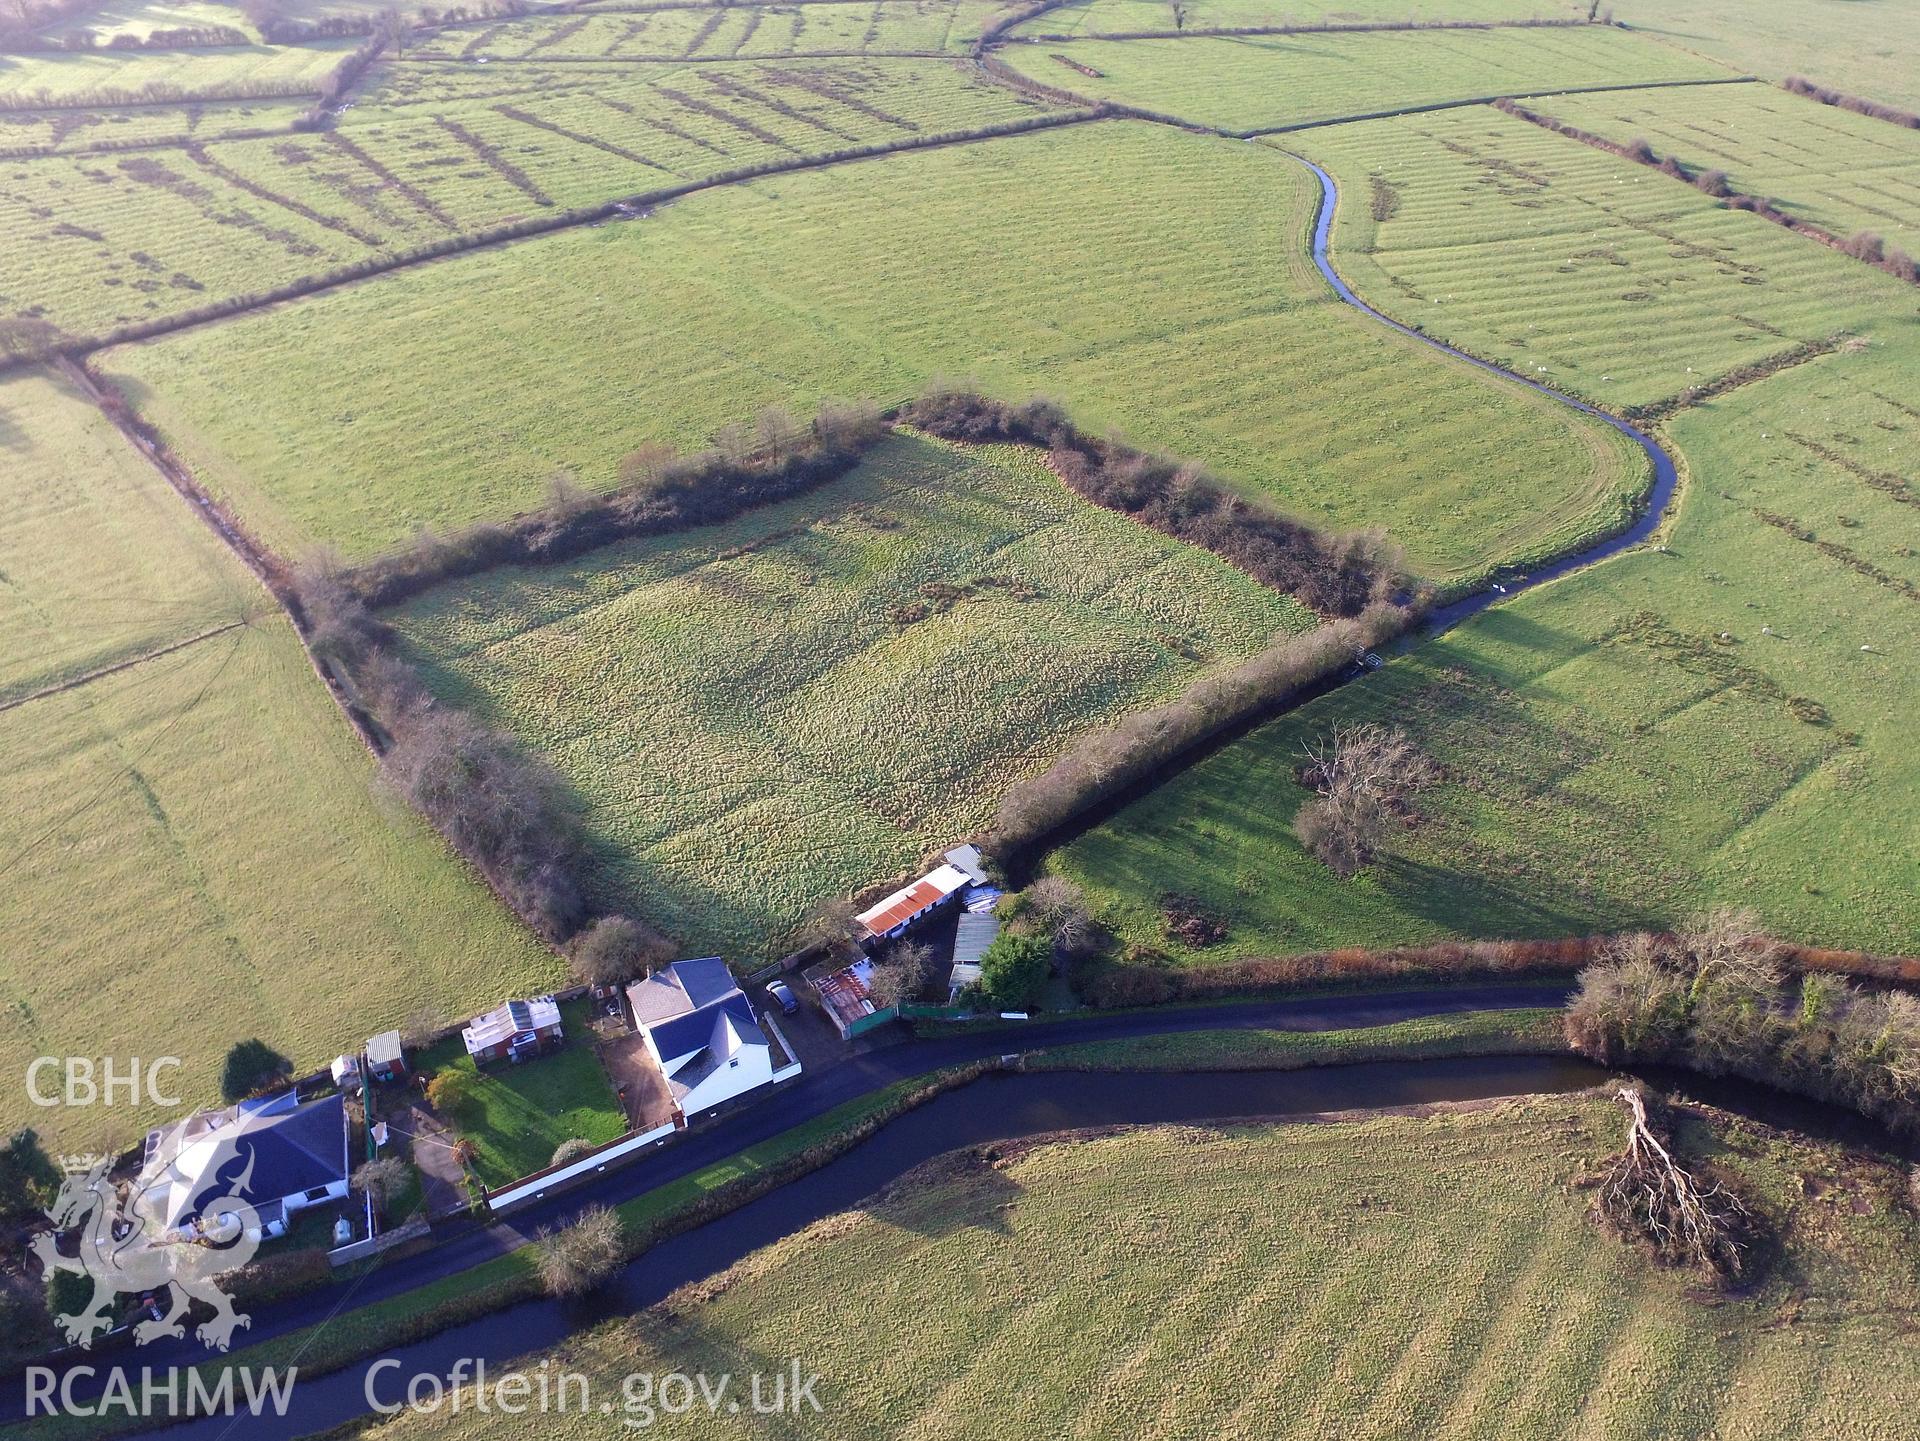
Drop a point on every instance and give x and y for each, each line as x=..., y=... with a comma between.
x=129, y=663
x=262, y=562
x=1487, y=100
x=1764, y=369
x=1355, y=28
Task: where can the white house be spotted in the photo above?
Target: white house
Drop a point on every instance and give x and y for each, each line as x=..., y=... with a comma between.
x=701, y=1030
x=276, y=1156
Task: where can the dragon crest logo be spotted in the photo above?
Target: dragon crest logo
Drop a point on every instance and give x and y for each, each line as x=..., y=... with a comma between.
x=155, y=1238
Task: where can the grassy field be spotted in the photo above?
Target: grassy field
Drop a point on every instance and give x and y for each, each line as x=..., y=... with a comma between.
x=1609, y=760
x=27, y=133
x=810, y=698
x=518, y=1115
x=738, y=31
x=1866, y=47
x=429, y=154
x=111, y=240
x=105, y=78
x=193, y=854
x=1264, y=82
x=1841, y=171
x=140, y=18
x=137, y=574
x=868, y=279
x=1093, y=18
x=1398, y=1276
x=1585, y=270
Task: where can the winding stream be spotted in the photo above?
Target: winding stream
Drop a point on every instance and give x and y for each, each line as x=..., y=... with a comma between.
x=1648, y=514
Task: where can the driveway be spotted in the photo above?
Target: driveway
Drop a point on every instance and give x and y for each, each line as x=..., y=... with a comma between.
x=442, y=1178
x=816, y=1045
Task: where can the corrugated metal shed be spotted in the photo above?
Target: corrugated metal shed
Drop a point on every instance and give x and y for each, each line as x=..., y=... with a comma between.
x=975, y=932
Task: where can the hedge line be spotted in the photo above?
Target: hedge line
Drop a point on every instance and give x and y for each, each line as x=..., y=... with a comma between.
x=704, y=489
x=1863, y=246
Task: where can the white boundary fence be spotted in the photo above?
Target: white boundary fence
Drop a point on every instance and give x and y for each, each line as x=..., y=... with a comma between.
x=527, y=1188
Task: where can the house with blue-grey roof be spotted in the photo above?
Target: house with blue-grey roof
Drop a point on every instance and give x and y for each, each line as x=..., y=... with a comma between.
x=252, y=1166
x=701, y=1030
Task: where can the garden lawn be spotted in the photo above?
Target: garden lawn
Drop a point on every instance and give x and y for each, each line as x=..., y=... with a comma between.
x=809, y=699
x=453, y=391
x=1393, y=1276
x=1841, y=171
x=1265, y=82
x=1724, y=722
x=517, y=1116
x=193, y=854
x=1579, y=268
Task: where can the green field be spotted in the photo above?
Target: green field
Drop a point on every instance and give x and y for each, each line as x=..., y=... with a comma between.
x=482, y=375
x=1133, y=17
x=1864, y=47
x=1266, y=82
x=759, y=714
x=738, y=31
x=193, y=854
x=104, y=78
x=25, y=133
x=517, y=1115
x=1841, y=171
x=1609, y=761
x=1580, y=268
x=428, y=155
x=99, y=563
x=1432, y=1276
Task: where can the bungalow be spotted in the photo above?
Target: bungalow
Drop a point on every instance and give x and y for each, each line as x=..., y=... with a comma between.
x=701, y=1030
x=278, y=1155
x=517, y=1031
x=911, y=903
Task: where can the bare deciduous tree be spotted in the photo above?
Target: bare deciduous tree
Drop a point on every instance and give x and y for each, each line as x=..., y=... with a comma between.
x=1363, y=774
x=1060, y=906
x=1728, y=947
x=645, y=467
x=380, y=1180
x=828, y=924
x=617, y=949
x=580, y=1257
x=901, y=975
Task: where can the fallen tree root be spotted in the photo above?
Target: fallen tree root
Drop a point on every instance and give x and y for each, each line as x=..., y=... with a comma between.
x=1686, y=1220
